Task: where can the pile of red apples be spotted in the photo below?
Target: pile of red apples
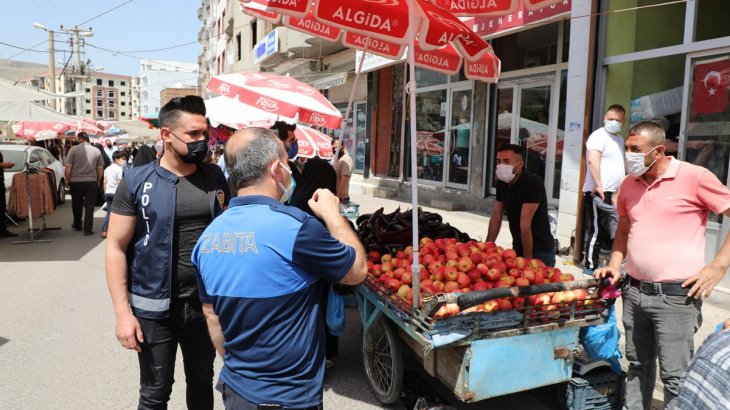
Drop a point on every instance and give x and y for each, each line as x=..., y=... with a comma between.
x=449, y=266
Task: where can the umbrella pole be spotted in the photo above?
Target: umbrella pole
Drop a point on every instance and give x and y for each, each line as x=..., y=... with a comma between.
x=416, y=269
x=349, y=109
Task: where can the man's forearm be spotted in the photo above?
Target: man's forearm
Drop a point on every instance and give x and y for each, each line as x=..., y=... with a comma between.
x=341, y=230
x=494, y=225
x=595, y=170
x=116, y=278
x=618, y=253
x=214, y=329
x=526, y=242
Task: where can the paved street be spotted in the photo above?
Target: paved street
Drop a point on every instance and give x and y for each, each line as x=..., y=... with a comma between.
x=57, y=344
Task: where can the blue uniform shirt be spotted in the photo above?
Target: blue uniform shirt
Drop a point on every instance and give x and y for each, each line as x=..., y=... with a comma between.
x=260, y=265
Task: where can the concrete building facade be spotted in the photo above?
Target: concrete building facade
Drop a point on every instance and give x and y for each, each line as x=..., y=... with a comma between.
x=156, y=75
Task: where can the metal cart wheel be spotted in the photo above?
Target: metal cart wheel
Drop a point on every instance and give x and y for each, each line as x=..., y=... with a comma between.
x=383, y=360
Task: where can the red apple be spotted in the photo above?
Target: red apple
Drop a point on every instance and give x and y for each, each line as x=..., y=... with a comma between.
x=510, y=263
x=540, y=300
x=451, y=256
x=504, y=304
x=427, y=259
x=474, y=275
x=465, y=264
x=476, y=258
x=452, y=263
x=406, y=278
x=425, y=240
x=500, y=266
x=482, y=268
x=508, y=253
x=558, y=297
x=386, y=258
x=386, y=267
x=489, y=285
x=482, y=246
x=521, y=262
x=518, y=302
x=384, y=278
x=438, y=286
x=481, y=285
x=426, y=282
x=374, y=256
x=509, y=280
x=393, y=284
x=450, y=273
x=515, y=273
x=402, y=291
x=493, y=275
x=522, y=282
x=529, y=275
x=490, y=306
x=463, y=280
x=580, y=294
x=451, y=286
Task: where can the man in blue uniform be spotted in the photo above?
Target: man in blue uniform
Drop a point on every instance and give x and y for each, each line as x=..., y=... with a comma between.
x=259, y=266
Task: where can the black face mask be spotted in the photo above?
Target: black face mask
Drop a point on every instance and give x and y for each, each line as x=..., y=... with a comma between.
x=197, y=150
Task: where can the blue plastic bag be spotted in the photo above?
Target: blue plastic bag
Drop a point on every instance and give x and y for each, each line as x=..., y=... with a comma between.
x=601, y=341
x=335, y=317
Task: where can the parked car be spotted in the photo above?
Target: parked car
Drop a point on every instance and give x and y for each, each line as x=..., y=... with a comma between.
x=36, y=157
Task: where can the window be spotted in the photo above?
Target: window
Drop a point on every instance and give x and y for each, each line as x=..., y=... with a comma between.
x=111, y=93
x=644, y=28
x=123, y=93
x=88, y=111
x=112, y=104
x=529, y=48
x=123, y=83
x=100, y=113
x=124, y=103
x=254, y=38
x=99, y=93
x=35, y=159
x=99, y=103
x=98, y=81
x=88, y=101
x=123, y=114
x=112, y=114
x=88, y=90
x=238, y=46
x=111, y=83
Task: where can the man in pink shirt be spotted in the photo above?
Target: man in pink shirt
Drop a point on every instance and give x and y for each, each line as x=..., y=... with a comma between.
x=663, y=206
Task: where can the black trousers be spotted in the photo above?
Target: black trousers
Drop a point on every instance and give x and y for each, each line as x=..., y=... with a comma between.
x=186, y=326
x=83, y=199
x=3, y=227
x=597, y=230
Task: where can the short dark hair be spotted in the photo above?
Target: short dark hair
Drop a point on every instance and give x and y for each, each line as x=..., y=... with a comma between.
x=118, y=154
x=170, y=112
x=617, y=107
x=514, y=148
x=650, y=128
x=282, y=129
x=82, y=136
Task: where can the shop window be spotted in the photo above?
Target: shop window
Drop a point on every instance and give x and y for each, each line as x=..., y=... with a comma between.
x=426, y=78
x=711, y=19
x=560, y=139
x=566, y=41
x=632, y=26
x=529, y=48
x=431, y=110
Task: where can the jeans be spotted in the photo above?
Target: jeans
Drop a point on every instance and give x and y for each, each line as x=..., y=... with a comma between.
x=109, y=198
x=187, y=327
x=232, y=401
x=547, y=257
x=663, y=327
x=83, y=199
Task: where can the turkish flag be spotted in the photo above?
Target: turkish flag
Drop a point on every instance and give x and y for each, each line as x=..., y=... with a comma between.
x=709, y=91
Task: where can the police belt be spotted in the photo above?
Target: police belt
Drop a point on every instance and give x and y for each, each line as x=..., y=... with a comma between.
x=659, y=288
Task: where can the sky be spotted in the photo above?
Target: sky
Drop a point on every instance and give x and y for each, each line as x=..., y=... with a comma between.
x=130, y=30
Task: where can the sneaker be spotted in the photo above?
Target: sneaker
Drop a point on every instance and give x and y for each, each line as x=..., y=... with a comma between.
x=587, y=271
x=75, y=228
x=7, y=234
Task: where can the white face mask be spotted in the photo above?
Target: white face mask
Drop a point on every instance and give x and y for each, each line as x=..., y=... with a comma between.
x=505, y=173
x=635, y=163
x=612, y=126
x=287, y=192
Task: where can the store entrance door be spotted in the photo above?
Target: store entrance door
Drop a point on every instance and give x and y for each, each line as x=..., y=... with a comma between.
x=527, y=116
x=706, y=131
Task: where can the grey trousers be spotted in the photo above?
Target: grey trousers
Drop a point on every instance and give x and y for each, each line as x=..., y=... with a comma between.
x=663, y=327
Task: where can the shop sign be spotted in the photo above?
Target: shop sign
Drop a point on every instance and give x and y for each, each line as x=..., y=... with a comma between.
x=267, y=47
x=374, y=62
x=331, y=81
x=525, y=14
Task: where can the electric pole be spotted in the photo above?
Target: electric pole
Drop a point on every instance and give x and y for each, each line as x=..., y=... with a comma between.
x=51, y=62
x=80, y=70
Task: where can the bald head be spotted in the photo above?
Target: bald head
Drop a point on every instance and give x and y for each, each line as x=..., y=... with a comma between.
x=248, y=154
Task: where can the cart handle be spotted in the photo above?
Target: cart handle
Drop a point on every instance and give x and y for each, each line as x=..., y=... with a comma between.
x=467, y=300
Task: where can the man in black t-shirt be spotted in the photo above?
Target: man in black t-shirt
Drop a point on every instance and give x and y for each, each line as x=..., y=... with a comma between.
x=159, y=212
x=522, y=195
